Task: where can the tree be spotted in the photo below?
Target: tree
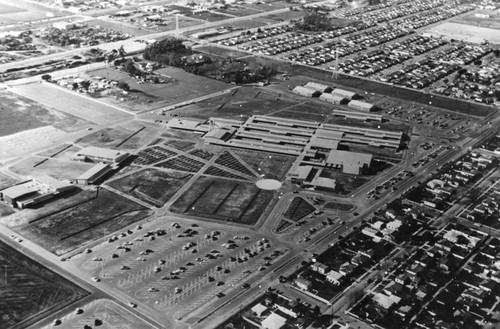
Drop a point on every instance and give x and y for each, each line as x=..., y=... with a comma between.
x=85, y=84
x=124, y=86
x=46, y=77
x=75, y=85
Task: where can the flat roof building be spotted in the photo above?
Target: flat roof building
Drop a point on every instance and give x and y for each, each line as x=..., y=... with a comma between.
x=98, y=154
x=301, y=174
x=349, y=162
x=93, y=174
x=34, y=191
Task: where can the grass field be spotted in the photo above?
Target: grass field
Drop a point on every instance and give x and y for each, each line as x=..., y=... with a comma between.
x=110, y=313
x=183, y=87
x=60, y=152
x=150, y=185
x=272, y=166
x=6, y=181
x=244, y=101
x=30, y=291
x=224, y=200
x=18, y=114
x=65, y=230
x=70, y=102
x=37, y=166
x=130, y=138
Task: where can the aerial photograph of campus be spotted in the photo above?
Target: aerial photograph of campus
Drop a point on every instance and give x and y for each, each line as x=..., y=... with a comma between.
x=246, y=164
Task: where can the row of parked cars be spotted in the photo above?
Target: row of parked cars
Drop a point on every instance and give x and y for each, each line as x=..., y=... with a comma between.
x=401, y=10
x=249, y=35
x=283, y=43
x=430, y=17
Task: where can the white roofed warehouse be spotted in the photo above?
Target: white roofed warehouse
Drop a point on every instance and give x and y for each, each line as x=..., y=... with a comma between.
x=345, y=93
x=361, y=106
x=319, y=87
x=333, y=98
x=306, y=92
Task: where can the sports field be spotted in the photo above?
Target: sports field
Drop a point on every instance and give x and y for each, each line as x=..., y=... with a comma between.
x=30, y=291
x=464, y=32
x=224, y=200
x=70, y=102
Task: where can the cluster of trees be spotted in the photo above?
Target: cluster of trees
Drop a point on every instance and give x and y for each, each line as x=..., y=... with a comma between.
x=167, y=52
x=172, y=52
x=315, y=21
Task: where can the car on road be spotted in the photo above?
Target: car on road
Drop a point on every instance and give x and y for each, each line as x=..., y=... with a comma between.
x=245, y=285
x=96, y=279
x=133, y=305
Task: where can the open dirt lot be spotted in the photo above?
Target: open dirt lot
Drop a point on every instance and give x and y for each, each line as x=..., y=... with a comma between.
x=65, y=230
x=30, y=291
x=71, y=103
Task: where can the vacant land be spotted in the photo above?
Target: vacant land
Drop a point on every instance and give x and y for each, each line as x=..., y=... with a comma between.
x=224, y=200
x=18, y=114
x=110, y=315
x=65, y=230
x=30, y=291
x=37, y=166
x=70, y=102
x=6, y=181
x=150, y=185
